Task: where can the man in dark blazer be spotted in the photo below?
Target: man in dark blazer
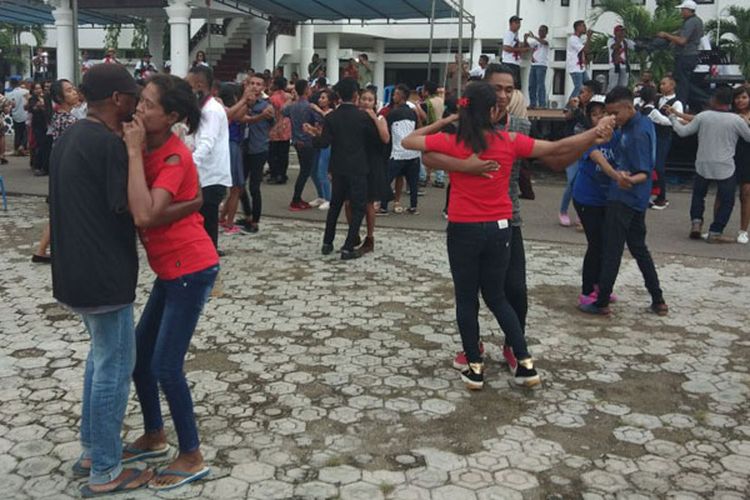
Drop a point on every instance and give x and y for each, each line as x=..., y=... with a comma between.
x=347, y=130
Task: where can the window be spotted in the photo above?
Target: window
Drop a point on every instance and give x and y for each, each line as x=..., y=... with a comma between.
x=558, y=81
x=559, y=55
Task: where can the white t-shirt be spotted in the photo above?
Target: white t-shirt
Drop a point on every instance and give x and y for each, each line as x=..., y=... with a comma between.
x=477, y=72
x=628, y=43
x=211, y=153
x=540, y=54
x=18, y=97
x=511, y=39
x=575, y=45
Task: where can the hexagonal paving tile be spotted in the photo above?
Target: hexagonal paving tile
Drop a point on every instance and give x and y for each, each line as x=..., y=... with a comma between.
x=361, y=491
x=516, y=479
x=340, y=474
x=253, y=472
x=487, y=461
x=633, y=435
x=472, y=479
x=604, y=481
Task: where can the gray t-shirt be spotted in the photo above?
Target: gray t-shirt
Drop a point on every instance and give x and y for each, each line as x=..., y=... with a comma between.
x=522, y=126
x=718, y=132
x=692, y=29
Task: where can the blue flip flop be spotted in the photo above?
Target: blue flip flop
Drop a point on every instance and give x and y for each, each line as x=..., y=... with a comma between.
x=139, y=454
x=189, y=477
x=133, y=474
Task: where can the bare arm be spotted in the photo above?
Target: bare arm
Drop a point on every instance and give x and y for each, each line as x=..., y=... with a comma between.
x=604, y=164
x=415, y=140
x=381, y=125
x=561, y=154
x=472, y=165
x=687, y=129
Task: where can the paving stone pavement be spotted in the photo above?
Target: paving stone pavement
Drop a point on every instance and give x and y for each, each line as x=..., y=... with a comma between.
x=316, y=378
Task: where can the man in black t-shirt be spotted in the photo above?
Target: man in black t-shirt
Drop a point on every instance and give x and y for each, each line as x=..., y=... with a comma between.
x=95, y=267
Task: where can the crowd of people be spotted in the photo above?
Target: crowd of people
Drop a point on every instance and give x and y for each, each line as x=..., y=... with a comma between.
x=172, y=161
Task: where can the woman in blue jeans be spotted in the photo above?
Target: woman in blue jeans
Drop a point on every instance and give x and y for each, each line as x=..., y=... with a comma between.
x=181, y=254
x=320, y=173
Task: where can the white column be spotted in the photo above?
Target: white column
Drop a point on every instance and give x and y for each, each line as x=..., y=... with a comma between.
x=258, y=48
x=476, y=51
x=178, y=12
x=332, y=57
x=66, y=59
x=306, y=51
x=378, y=75
x=155, y=27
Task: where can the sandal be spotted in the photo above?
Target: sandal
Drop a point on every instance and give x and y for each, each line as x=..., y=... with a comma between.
x=130, y=476
x=397, y=208
x=139, y=454
x=188, y=477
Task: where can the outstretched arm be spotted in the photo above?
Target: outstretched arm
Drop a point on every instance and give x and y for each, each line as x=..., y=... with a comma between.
x=561, y=154
x=472, y=165
x=415, y=140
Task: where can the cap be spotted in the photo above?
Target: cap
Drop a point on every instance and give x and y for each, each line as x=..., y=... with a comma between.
x=688, y=4
x=598, y=98
x=619, y=27
x=513, y=19
x=103, y=80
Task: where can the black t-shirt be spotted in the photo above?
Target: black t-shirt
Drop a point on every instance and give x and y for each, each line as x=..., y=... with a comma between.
x=94, y=256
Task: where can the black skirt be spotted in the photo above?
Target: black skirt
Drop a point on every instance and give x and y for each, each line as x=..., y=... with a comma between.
x=742, y=162
x=378, y=188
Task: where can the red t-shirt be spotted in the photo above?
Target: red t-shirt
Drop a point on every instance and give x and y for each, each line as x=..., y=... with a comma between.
x=479, y=199
x=182, y=247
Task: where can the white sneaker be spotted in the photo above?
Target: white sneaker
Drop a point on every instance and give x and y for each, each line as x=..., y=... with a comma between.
x=317, y=202
x=325, y=205
x=743, y=238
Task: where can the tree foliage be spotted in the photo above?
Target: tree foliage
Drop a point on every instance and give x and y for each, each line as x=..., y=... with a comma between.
x=10, y=42
x=112, y=36
x=734, y=36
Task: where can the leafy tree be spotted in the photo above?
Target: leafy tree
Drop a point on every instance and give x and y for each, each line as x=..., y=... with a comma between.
x=734, y=36
x=10, y=42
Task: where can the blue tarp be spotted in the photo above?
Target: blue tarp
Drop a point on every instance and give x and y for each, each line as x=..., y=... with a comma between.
x=36, y=12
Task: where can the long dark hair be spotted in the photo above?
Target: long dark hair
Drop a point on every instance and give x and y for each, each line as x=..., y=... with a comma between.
x=56, y=90
x=742, y=89
x=176, y=95
x=475, y=115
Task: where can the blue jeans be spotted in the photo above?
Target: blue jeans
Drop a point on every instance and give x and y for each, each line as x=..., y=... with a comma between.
x=162, y=339
x=106, y=385
x=320, y=175
x=725, y=189
x=537, y=86
x=479, y=255
x=570, y=173
x=578, y=79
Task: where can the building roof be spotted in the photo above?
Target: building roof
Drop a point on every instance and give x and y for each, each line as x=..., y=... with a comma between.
x=27, y=12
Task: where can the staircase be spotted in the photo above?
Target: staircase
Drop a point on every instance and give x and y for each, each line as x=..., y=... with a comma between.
x=230, y=54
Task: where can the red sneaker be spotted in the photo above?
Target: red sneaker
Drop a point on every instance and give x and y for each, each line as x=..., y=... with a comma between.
x=305, y=205
x=461, y=362
x=296, y=206
x=510, y=358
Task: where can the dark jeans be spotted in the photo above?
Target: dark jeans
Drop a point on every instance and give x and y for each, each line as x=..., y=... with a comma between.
x=515, y=277
x=20, y=136
x=663, y=143
x=623, y=224
x=212, y=196
x=724, y=193
x=162, y=339
x=516, y=70
x=278, y=159
x=479, y=254
x=253, y=166
x=354, y=189
x=410, y=170
x=308, y=158
x=687, y=91
x=592, y=219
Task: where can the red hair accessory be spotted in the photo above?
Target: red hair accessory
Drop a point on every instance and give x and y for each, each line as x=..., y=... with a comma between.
x=463, y=102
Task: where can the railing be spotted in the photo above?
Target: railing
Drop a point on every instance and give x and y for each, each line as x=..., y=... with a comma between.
x=278, y=26
x=216, y=29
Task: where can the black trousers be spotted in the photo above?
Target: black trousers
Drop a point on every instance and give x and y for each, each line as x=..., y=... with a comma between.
x=308, y=157
x=687, y=91
x=20, y=135
x=278, y=159
x=354, y=189
x=212, y=196
x=252, y=164
x=593, y=219
x=515, y=277
x=622, y=225
x=516, y=69
x=479, y=256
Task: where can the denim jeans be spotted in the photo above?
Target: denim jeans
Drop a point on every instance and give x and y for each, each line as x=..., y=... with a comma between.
x=538, y=87
x=320, y=176
x=570, y=174
x=479, y=254
x=620, y=79
x=252, y=202
x=106, y=385
x=622, y=225
x=592, y=219
x=307, y=156
x=724, y=193
x=663, y=144
x=578, y=79
x=410, y=170
x=162, y=339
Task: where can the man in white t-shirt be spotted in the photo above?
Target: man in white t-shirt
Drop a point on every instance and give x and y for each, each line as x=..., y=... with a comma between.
x=478, y=71
x=18, y=96
x=575, y=56
x=539, y=62
x=513, y=49
x=619, y=49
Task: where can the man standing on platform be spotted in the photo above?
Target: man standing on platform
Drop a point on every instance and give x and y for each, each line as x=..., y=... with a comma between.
x=619, y=49
x=539, y=62
x=576, y=54
x=513, y=49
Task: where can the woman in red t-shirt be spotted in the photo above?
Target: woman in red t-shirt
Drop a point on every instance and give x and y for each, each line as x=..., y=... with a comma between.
x=161, y=174
x=479, y=216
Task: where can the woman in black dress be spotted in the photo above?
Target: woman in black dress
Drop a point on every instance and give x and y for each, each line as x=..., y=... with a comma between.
x=741, y=106
x=40, y=108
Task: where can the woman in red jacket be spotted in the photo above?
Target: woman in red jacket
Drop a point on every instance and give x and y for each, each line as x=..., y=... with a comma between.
x=162, y=172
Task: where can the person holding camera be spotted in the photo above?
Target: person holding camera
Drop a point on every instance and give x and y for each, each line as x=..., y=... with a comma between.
x=619, y=49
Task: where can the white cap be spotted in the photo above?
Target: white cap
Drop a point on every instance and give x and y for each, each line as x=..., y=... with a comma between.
x=598, y=98
x=688, y=4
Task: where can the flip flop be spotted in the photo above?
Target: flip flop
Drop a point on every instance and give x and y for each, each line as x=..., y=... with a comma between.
x=79, y=470
x=122, y=486
x=139, y=454
x=189, y=477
